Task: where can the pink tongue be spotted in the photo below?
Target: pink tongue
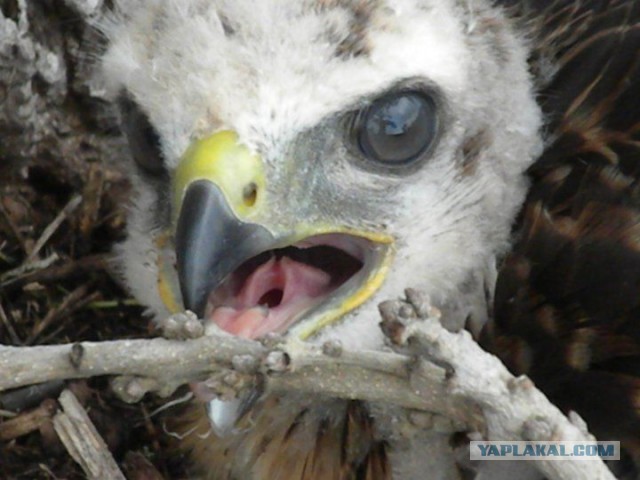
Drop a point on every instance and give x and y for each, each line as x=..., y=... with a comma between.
x=299, y=284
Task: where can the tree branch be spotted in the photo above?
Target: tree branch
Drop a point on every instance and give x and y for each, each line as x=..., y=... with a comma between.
x=163, y=365
x=452, y=376
x=513, y=408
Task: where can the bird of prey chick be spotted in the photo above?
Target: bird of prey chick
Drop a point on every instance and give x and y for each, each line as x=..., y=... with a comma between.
x=298, y=162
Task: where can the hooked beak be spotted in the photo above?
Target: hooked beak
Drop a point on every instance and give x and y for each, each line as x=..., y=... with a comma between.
x=211, y=242
x=245, y=268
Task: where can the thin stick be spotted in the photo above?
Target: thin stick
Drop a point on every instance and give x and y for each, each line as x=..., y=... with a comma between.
x=27, y=422
x=7, y=324
x=82, y=440
x=62, y=323
x=52, y=273
x=55, y=313
x=27, y=268
x=14, y=229
x=53, y=227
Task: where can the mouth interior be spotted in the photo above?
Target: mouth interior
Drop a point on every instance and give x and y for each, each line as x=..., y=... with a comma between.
x=274, y=289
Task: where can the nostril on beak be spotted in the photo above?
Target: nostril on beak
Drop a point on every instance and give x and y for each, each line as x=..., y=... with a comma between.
x=250, y=194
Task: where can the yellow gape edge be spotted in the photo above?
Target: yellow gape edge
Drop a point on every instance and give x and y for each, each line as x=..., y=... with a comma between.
x=231, y=166
x=168, y=287
x=367, y=289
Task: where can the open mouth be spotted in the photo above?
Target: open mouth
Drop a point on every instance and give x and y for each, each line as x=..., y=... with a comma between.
x=277, y=288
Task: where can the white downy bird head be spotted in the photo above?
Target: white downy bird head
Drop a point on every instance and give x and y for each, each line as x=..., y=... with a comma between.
x=306, y=160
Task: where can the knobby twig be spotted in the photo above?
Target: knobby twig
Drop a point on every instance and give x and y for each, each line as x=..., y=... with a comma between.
x=451, y=376
x=163, y=365
x=512, y=407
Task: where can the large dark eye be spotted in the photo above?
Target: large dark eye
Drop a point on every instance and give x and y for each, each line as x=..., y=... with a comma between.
x=398, y=128
x=144, y=141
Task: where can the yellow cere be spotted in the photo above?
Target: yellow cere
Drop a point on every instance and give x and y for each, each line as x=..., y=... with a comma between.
x=229, y=165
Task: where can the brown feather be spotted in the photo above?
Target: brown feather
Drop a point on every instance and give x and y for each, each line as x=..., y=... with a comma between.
x=567, y=303
x=332, y=440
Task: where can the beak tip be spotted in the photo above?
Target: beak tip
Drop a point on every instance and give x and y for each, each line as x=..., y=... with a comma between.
x=211, y=242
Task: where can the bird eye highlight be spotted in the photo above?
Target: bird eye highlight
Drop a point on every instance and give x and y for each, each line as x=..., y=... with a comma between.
x=144, y=141
x=397, y=129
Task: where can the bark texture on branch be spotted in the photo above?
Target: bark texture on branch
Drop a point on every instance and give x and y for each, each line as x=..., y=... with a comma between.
x=465, y=383
x=163, y=365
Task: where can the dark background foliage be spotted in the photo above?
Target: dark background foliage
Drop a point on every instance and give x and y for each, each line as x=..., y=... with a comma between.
x=59, y=139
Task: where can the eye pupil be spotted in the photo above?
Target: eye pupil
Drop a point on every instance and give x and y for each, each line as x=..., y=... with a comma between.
x=398, y=128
